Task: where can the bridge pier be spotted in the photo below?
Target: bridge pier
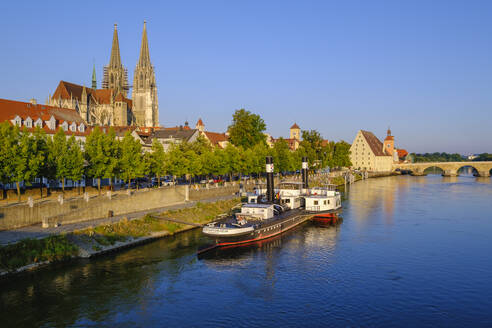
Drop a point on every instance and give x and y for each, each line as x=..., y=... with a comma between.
x=484, y=173
x=418, y=172
x=450, y=173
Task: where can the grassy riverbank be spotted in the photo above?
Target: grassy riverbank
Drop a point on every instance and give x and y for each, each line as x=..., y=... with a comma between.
x=124, y=230
x=97, y=239
x=29, y=251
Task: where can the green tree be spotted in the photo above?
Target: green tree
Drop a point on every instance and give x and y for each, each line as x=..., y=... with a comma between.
x=315, y=149
x=40, y=151
x=232, y=158
x=246, y=161
x=209, y=163
x=132, y=162
x=75, y=161
x=259, y=152
x=282, y=157
x=113, y=153
x=61, y=156
x=29, y=155
x=483, y=157
x=247, y=129
x=157, y=160
x=95, y=154
x=341, y=155
x=193, y=163
x=9, y=139
x=200, y=145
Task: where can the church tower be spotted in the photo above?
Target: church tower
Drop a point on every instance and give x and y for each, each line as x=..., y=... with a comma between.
x=115, y=75
x=389, y=143
x=144, y=94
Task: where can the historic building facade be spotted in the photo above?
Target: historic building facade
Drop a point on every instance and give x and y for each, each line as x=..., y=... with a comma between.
x=367, y=152
x=110, y=105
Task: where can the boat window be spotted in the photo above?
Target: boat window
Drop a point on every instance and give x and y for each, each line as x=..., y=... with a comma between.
x=324, y=202
x=315, y=202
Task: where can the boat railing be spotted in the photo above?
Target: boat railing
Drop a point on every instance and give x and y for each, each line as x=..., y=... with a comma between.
x=313, y=208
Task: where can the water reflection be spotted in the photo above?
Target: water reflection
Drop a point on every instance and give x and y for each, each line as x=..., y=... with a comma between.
x=398, y=258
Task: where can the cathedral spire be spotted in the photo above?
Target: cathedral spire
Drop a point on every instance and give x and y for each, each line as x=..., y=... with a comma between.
x=115, y=75
x=115, y=59
x=94, y=81
x=144, y=60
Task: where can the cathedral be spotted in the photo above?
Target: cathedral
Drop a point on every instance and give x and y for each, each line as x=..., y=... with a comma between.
x=111, y=105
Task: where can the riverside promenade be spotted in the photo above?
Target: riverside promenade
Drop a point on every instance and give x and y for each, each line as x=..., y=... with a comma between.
x=37, y=231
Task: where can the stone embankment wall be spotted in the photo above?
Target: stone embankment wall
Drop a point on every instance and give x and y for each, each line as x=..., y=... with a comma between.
x=206, y=193
x=96, y=207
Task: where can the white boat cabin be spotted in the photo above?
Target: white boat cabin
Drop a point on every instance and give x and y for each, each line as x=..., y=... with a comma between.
x=258, y=211
x=322, y=199
x=290, y=194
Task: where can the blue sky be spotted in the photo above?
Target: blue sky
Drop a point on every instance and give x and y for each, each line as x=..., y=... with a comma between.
x=422, y=67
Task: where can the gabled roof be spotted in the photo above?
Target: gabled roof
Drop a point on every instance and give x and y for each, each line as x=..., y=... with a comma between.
x=200, y=122
x=215, y=138
x=65, y=90
x=183, y=134
x=374, y=143
x=295, y=126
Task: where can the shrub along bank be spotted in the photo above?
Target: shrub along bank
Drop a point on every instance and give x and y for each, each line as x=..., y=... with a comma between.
x=29, y=251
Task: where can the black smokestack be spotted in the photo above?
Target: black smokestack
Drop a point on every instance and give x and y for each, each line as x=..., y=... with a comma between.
x=304, y=172
x=269, y=176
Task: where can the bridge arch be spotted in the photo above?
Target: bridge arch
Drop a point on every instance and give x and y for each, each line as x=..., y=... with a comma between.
x=474, y=171
x=433, y=169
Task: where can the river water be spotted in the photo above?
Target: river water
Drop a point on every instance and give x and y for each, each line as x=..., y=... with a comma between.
x=411, y=251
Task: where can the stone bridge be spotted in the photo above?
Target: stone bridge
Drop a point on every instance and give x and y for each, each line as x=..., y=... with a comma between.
x=450, y=169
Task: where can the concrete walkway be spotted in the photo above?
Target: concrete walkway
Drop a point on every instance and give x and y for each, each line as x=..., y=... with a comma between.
x=36, y=231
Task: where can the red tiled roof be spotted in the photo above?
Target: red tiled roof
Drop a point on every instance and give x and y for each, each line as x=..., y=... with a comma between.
x=200, y=122
x=103, y=96
x=402, y=153
x=374, y=143
x=9, y=109
x=295, y=126
x=389, y=138
x=215, y=138
x=65, y=90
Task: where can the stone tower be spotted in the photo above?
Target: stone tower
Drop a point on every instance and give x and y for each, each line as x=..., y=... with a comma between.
x=115, y=75
x=389, y=143
x=295, y=132
x=144, y=94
